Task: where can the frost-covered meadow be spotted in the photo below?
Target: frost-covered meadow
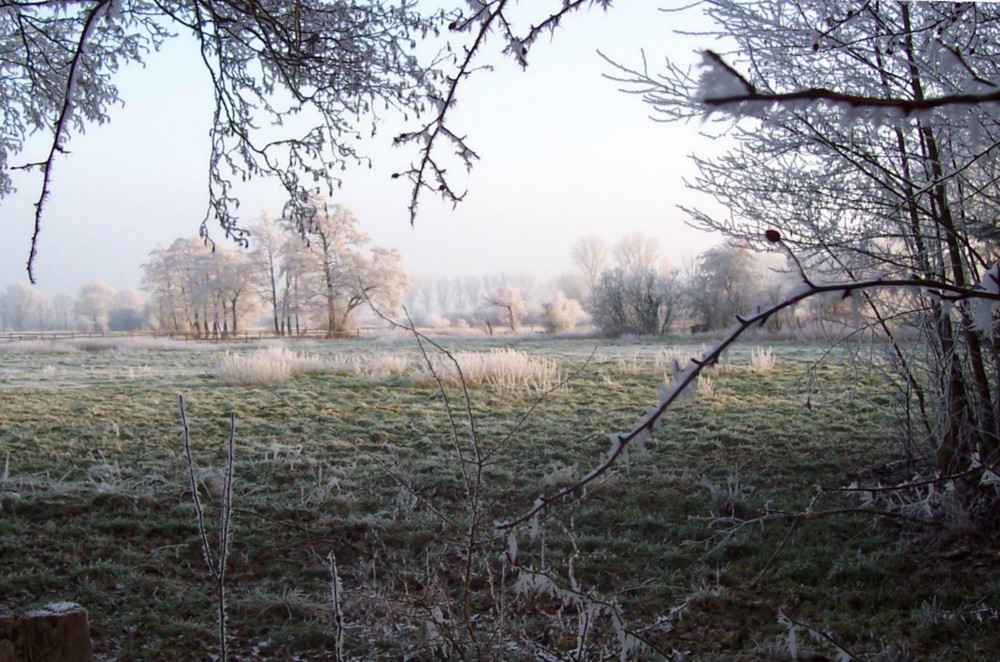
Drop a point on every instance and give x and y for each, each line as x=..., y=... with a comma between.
x=710, y=547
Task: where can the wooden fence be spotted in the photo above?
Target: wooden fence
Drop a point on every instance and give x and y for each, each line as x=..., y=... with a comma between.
x=239, y=336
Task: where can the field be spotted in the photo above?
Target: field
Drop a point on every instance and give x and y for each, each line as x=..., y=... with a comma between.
x=363, y=508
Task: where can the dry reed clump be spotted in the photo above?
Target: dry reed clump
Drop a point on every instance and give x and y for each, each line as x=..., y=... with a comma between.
x=504, y=369
x=762, y=360
x=268, y=365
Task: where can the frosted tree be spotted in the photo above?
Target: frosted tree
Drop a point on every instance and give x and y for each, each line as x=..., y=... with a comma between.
x=722, y=285
x=637, y=254
x=865, y=140
x=225, y=286
x=93, y=305
x=591, y=257
x=268, y=242
x=638, y=295
x=20, y=308
x=631, y=302
x=62, y=313
x=296, y=269
x=420, y=300
x=344, y=271
x=171, y=278
x=510, y=302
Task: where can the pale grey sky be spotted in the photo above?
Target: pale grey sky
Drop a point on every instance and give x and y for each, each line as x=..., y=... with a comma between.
x=564, y=155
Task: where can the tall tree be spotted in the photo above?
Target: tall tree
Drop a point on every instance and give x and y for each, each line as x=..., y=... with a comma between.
x=268, y=240
x=344, y=270
x=21, y=306
x=93, y=305
x=638, y=302
x=172, y=278
x=637, y=254
x=723, y=285
x=591, y=257
x=227, y=276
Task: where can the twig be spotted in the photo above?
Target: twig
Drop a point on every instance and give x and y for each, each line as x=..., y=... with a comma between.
x=216, y=566
x=336, y=589
x=781, y=546
x=819, y=635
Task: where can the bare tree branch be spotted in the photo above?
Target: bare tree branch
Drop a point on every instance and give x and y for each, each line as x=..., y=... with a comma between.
x=429, y=173
x=59, y=130
x=651, y=422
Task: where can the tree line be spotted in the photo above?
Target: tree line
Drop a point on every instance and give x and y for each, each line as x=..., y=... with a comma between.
x=628, y=288
x=624, y=288
x=292, y=283
x=97, y=308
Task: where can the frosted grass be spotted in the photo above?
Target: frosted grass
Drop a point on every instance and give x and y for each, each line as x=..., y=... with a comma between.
x=506, y=370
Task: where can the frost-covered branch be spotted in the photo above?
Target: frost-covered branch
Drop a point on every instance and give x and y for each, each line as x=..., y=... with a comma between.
x=723, y=88
x=429, y=173
x=295, y=86
x=60, y=128
x=986, y=293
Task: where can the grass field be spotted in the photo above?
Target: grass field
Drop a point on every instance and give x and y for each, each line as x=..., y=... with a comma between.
x=351, y=457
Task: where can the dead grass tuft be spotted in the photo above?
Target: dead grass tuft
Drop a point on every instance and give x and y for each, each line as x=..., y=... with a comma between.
x=506, y=370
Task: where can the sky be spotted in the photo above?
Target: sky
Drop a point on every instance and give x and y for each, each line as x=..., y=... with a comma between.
x=564, y=154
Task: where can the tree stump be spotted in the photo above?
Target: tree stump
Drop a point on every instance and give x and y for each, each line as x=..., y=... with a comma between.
x=54, y=633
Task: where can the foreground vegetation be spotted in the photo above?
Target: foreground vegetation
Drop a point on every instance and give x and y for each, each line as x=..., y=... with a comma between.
x=714, y=546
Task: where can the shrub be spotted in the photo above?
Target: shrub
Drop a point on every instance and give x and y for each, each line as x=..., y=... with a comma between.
x=562, y=314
